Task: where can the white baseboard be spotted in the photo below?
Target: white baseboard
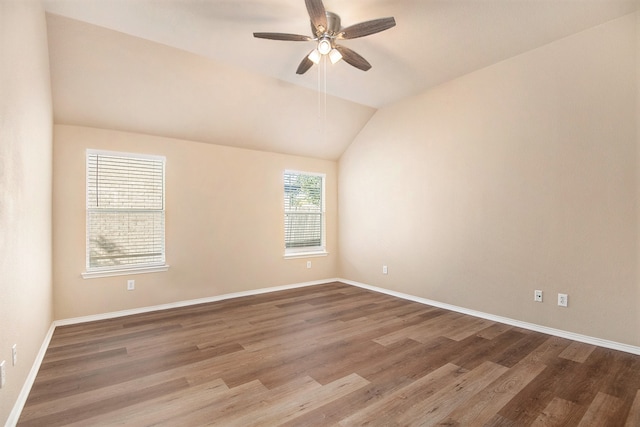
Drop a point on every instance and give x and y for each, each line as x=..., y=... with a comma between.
x=513, y=322
x=26, y=387
x=115, y=314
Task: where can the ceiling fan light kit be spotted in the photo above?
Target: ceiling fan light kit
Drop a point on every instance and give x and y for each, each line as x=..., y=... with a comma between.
x=326, y=29
x=335, y=56
x=315, y=56
x=324, y=45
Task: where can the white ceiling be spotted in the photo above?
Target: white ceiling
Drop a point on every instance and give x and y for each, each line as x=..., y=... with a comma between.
x=434, y=41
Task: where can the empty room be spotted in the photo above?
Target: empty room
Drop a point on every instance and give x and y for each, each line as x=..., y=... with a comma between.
x=320, y=212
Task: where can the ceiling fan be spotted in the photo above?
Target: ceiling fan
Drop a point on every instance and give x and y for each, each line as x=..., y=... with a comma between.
x=326, y=30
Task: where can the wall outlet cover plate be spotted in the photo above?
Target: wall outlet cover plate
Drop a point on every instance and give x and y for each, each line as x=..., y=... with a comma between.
x=537, y=296
x=563, y=300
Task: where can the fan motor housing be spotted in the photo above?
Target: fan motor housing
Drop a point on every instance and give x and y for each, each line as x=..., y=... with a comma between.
x=333, y=24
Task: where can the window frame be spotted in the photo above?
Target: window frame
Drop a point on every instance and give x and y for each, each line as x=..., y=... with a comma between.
x=307, y=251
x=119, y=270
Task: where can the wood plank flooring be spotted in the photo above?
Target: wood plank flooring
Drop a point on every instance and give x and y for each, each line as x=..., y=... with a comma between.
x=326, y=355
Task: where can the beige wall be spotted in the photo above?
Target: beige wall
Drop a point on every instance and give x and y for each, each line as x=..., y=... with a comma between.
x=224, y=223
x=25, y=191
x=637, y=296
x=519, y=176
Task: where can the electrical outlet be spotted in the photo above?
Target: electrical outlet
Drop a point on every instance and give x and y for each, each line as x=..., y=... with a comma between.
x=3, y=375
x=563, y=300
x=308, y=264
x=131, y=285
x=14, y=354
x=385, y=270
x=537, y=296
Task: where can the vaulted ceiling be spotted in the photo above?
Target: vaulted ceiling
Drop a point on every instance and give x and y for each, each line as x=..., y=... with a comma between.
x=191, y=69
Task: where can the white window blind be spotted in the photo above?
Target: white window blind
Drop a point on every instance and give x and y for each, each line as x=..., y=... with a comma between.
x=125, y=211
x=303, y=212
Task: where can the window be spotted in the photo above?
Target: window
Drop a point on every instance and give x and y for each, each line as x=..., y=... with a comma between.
x=304, y=222
x=125, y=213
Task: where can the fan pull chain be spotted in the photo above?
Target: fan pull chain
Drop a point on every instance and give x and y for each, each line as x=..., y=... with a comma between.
x=319, y=116
x=322, y=100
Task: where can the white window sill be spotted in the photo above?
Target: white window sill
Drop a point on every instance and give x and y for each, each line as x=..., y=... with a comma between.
x=124, y=271
x=310, y=254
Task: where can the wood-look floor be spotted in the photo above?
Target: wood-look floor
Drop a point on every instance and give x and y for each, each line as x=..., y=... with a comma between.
x=326, y=355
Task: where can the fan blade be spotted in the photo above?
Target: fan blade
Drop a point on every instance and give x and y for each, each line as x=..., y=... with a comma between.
x=318, y=16
x=368, y=27
x=282, y=36
x=304, y=65
x=352, y=58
